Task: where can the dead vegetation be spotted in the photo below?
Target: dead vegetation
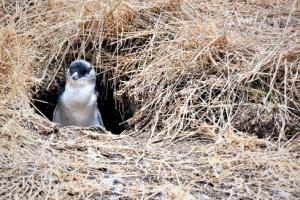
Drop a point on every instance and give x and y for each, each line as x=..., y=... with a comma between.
x=207, y=93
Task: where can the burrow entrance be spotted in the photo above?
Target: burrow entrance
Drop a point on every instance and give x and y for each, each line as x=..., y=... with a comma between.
x=114, y=110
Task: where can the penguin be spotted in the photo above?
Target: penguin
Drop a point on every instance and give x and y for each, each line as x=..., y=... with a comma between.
x=77, y=101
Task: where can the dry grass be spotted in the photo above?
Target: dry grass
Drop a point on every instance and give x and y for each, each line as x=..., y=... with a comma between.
x=215, y=90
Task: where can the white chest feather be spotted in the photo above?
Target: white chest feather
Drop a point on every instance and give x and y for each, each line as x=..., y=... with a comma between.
x=79, y=104
x=78, y=97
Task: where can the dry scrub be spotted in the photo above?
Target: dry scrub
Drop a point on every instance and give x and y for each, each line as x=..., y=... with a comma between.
x=208, y=93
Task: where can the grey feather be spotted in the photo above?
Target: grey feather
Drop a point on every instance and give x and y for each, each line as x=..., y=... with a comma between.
x=99, y=117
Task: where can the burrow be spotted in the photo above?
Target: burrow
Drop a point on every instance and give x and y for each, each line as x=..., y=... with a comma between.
x=115, y=109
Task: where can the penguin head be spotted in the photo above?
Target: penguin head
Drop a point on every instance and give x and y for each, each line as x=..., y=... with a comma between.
x=81, y=72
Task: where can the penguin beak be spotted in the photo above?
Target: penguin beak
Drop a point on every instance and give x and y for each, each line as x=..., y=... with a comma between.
x=75, y=76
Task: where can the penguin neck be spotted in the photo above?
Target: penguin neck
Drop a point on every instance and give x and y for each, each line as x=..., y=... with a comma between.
x=73, y=87
x=80, y=94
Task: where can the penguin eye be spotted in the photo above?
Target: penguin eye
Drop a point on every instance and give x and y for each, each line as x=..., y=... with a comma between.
x=88, y=70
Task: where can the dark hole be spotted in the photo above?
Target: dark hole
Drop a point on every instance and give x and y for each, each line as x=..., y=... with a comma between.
x=114, y=111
